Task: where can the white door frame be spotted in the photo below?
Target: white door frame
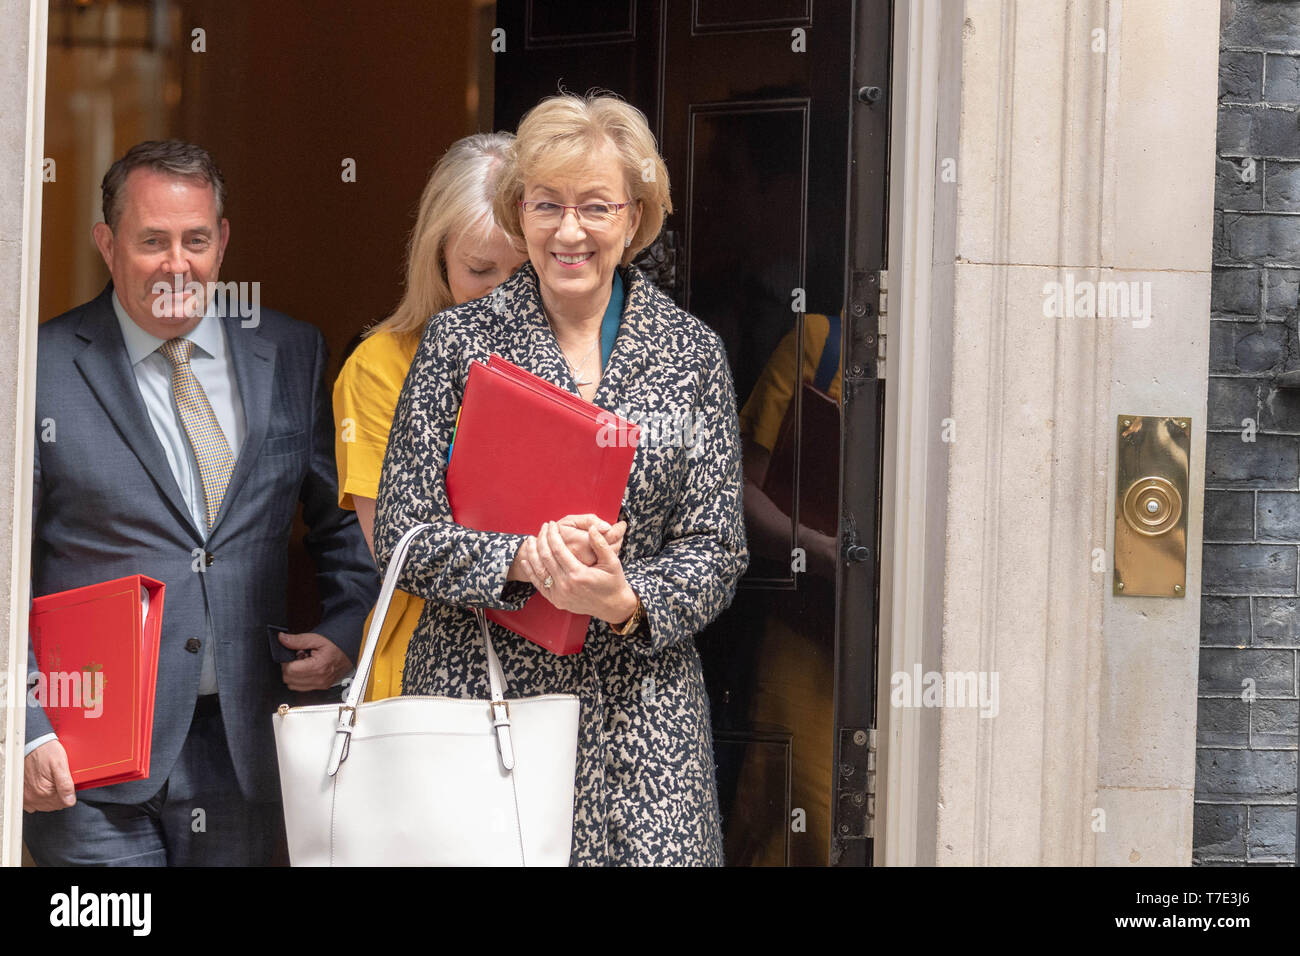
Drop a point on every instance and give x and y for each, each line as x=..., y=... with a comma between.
x=925, y=98
x=21, y=361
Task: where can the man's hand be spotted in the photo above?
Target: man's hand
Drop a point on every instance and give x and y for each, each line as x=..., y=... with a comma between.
x=47, y=783
x=320, y=664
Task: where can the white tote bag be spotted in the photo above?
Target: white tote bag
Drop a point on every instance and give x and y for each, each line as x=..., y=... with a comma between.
x=428, y=781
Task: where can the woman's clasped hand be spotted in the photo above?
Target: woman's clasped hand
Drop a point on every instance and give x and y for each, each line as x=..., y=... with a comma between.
x=575, y=563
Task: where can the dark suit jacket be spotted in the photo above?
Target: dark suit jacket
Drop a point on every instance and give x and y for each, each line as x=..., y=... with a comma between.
x=107, y=505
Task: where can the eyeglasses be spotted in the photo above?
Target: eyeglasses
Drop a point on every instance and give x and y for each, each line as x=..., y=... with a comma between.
x=591, y=215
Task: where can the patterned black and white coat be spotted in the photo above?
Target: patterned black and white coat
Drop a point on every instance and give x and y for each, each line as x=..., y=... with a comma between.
x=645, y=789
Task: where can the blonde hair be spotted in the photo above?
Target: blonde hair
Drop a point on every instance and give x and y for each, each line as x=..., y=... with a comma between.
x=561, y=133
x=457, y=199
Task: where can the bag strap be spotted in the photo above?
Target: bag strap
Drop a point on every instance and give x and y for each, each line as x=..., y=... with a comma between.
x=348, y=709
x=500, y=706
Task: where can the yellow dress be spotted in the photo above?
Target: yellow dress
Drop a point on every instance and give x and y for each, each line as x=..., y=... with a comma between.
x=365, y=399
x=795, y=673
x=763, y=412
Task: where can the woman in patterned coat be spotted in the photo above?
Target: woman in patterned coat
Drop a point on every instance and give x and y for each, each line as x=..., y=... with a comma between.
x=586, y=190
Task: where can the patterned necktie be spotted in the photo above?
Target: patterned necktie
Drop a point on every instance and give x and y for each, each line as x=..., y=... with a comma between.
x=211, y=450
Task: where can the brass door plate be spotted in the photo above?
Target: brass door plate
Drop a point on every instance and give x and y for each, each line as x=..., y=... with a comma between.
x=1153, y=457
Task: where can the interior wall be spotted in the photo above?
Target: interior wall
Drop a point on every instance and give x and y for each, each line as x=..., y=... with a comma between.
x=100, y=99
x=281, y=94
x=284, y=94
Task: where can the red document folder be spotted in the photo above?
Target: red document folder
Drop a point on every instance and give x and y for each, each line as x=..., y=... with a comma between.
x=526, y=452
x=97, y=653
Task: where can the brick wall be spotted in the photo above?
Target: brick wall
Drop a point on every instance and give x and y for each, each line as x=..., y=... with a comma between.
x=1250, y=612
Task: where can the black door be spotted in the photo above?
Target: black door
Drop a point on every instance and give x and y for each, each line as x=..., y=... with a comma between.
x=776, y=151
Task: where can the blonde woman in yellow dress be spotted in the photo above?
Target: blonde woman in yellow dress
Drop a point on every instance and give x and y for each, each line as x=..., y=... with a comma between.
x=457, y=252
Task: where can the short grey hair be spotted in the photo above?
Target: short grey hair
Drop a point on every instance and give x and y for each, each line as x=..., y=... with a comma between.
x=164, y=156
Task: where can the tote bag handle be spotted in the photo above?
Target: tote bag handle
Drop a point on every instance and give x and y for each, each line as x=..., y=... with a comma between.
x=500, y=712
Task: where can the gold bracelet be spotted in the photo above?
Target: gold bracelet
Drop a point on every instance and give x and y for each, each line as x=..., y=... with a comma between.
x=631, y=624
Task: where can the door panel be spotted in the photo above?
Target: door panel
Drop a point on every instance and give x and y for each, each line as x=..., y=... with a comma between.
x=578, y=45
x=744, y=255
x=572, y=25
x=754, y=106
x=712, y=16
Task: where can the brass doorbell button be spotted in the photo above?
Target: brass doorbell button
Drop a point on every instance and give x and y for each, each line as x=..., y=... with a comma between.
x=1152, y=506
x=1153, y=457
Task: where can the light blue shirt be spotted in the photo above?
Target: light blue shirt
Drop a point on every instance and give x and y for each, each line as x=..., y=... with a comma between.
x=210, y=362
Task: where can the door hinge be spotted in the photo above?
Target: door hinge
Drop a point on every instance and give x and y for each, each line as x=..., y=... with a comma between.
x=882, y=321
x=856, y=784
x=871, y=782
x=851, y=550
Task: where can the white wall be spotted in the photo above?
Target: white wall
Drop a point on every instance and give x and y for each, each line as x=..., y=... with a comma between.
x=1083, y=140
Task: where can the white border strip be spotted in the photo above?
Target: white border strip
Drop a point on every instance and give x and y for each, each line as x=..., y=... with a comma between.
x=15, y=715
x=910, y=427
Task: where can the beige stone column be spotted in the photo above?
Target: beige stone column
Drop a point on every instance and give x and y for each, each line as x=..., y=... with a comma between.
x=1080, y=136
x=22, y=117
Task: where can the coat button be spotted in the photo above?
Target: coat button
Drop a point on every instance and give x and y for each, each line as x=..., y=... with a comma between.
x=209, y=558
x=192, y=645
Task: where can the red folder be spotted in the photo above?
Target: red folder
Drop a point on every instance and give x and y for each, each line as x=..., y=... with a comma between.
x=97, y=653
x=526, y=452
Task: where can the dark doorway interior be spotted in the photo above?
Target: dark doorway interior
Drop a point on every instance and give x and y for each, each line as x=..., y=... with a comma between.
x=777, y=166
x=757, y=116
